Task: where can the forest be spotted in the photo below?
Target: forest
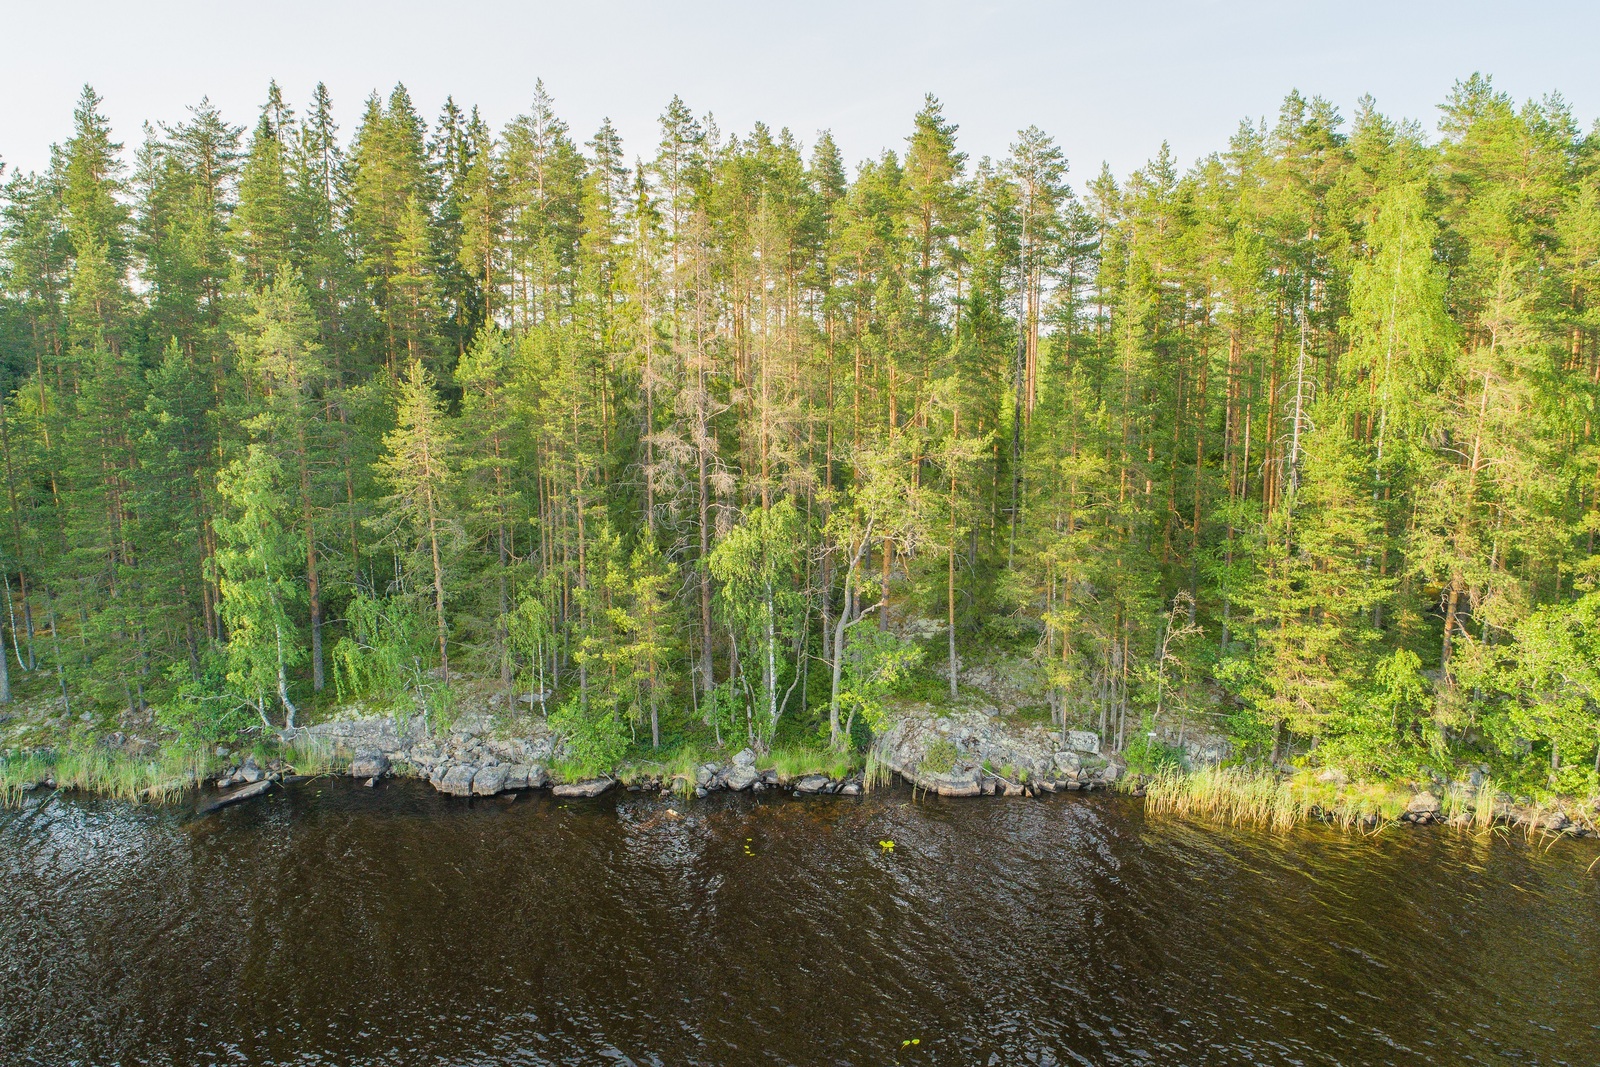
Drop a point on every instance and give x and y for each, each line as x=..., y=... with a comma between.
x=725, y=437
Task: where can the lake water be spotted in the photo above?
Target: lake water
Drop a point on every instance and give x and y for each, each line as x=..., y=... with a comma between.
x=335, y=924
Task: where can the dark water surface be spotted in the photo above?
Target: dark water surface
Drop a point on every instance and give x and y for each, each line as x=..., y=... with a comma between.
x=341, y=925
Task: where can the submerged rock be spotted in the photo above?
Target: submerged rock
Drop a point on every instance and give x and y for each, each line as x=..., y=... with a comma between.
x=254, y=789
x=590, y=788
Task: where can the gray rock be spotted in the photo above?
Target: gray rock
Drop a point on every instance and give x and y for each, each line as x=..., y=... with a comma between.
x=490, y=780
x=1423, y=803
x=959, y=782
x=1110, y=773
x=526, y=776
x=372, y=783
x=851, y=789
x=705, y=774
x=811, y=783
x=457, y=779
x=591, y=788
x=741, y=776
x=1083, y=741
x=371, y=764
x=250, y=772
x=1066, y=760
x=745, y=758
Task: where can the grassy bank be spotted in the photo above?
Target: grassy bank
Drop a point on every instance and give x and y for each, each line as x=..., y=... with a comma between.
x=1246, y=796
x=160, y=777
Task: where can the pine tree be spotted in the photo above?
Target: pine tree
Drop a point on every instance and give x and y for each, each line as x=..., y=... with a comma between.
x=420, y=511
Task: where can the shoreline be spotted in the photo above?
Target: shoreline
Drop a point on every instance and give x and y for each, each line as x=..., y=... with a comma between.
x=1233, y=796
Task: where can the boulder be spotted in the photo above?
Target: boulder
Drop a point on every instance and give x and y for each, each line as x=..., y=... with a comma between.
x=591, y=788
x=1423, y=803
x=370, y=764
x=851, y=789
x=1110, y=773
x=1083, y=741
x=745, y=758
x=456, y=779
x=811, y=783
x=526, y=776
x=704, y=774
x=490, y=780
x=741, y=776
x=1066, y=760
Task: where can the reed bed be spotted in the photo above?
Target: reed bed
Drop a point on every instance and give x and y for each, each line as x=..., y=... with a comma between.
x=877, y=774
x=162, y=777
x=1225, y=794
x=1242, y=795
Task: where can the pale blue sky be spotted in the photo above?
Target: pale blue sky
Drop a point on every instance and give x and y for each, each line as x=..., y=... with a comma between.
x=1109, y=80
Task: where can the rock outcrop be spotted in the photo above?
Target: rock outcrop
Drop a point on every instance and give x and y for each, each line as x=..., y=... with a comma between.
x=468, y=759
x=964, y=754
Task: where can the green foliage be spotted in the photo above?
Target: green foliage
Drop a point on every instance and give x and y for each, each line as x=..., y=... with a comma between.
x=1146, y=755
x=382, y=654
x=201, y=710
x=595, y=736
x=876, y=664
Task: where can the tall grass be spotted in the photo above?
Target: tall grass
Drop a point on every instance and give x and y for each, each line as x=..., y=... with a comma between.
x=1262, y=798
x=20, y=773
x=1227, y=794
x=162, y=777
x=878, y=774
x=309, y=754
x=797, y=761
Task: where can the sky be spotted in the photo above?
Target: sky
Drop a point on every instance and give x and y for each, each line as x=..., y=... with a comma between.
x=1110, y=80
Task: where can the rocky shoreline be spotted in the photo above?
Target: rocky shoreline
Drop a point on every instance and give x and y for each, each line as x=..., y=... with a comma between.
x=970, y=752
x=955, y=755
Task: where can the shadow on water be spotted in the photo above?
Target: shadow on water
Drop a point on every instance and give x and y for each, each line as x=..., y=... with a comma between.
x=334, y=924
